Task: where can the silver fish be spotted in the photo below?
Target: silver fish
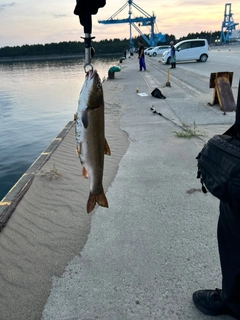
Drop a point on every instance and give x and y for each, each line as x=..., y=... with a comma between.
x=90, y=137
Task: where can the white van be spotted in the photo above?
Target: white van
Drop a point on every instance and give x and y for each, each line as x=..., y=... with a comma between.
x=194, y=49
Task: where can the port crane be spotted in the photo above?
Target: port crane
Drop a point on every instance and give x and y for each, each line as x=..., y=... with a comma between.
x=145, y=20
x=228, y=25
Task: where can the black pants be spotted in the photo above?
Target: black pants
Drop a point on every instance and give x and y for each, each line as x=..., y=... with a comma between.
x=229, y=249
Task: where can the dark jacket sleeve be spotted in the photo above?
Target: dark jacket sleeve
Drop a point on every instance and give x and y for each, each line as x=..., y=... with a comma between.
x=84, y=9
x=88, y=6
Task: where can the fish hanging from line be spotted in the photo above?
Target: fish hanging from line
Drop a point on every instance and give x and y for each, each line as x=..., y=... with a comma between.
x=91, y=144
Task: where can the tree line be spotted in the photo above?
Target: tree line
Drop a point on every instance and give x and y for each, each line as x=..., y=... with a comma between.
x=112, y=46
x=64, y=48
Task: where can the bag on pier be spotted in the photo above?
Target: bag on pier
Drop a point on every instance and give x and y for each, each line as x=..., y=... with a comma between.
x=157, y=94
x=219, y=166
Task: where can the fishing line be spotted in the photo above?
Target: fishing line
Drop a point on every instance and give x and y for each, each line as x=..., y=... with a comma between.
x=178, y=125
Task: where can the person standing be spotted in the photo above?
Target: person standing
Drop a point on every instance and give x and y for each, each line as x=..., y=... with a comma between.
x=173, y=55
x=142, y=64
x=226, y=300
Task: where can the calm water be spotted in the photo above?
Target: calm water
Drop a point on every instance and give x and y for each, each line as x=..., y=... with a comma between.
x=37, y=99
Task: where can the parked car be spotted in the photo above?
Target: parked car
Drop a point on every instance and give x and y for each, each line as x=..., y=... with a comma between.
x=147, y=49
x=194, y=49
x=157, y=50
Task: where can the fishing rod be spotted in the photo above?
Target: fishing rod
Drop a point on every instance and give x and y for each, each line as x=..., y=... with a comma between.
x=178, y=125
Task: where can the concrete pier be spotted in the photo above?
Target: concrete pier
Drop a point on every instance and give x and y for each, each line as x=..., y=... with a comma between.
x=156, y=244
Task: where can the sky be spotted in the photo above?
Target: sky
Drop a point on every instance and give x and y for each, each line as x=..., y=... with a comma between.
x=52, y=21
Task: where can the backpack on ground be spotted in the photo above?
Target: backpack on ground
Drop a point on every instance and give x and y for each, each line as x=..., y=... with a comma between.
x=219, y=165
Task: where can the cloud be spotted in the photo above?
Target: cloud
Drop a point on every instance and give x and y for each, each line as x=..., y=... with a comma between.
x=20, y=19
x=202, y=3
x=5, y=5
x=57, y=16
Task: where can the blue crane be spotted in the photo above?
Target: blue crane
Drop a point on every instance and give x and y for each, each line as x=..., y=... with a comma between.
x=145, y=20
x=228, y=24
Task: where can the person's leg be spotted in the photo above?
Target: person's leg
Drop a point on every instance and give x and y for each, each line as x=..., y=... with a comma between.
x=229, y=251
x=144, y=64
x=140, y=64
x=227, y=300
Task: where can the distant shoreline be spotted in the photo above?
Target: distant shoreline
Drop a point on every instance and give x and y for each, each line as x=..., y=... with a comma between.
x=51, y=57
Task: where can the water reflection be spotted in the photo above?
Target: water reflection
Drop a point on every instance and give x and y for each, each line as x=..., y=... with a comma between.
x=5, y=104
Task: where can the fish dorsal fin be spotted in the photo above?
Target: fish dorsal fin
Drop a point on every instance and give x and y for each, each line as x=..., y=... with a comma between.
x=106, y=148
x=85, y=118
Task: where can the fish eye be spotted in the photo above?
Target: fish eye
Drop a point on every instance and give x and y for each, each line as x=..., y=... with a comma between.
x=99, y=86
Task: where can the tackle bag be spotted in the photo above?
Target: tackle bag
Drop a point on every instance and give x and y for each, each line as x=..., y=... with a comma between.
x=219, y=166
x=157, y=94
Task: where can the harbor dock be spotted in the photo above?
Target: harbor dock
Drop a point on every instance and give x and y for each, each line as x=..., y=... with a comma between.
x=144, y=256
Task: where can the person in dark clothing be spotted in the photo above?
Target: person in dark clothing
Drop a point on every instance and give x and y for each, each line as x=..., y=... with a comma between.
x=84, y=9
x=226, y=300
x=173, y=55
x=141, y=56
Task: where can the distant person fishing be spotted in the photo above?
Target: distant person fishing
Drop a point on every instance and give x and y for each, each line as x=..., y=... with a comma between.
x=173, y=55
x=142, y=64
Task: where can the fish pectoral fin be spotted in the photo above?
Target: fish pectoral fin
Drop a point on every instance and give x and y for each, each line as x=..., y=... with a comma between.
x=96, y=198
x=106, y=148
x=78, y=148
x=84, y=173
x=85, y=118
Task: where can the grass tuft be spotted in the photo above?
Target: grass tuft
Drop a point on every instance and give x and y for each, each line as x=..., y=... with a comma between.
x=188, y=132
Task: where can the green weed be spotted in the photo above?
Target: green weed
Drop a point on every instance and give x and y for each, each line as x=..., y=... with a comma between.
x=188, y=132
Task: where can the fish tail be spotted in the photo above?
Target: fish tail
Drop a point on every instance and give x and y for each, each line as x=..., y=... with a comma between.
x=96, y=198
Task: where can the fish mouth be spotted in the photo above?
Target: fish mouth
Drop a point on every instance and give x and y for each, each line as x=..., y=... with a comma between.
x=90, y=74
